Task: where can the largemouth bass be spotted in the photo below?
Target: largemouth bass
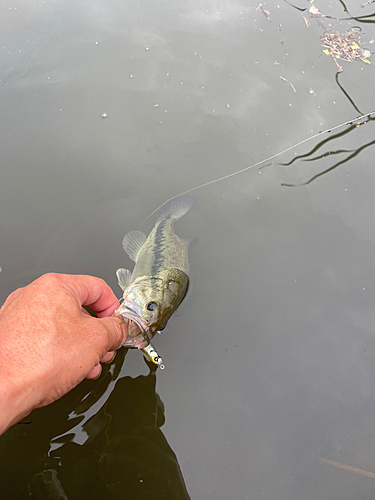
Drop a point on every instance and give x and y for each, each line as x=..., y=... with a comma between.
x=160, y=278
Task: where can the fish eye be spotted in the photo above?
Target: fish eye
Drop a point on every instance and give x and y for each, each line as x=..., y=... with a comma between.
x=152, y=306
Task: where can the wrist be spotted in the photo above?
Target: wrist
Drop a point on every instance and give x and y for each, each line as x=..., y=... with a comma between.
x=16, y=396
x=13, y=404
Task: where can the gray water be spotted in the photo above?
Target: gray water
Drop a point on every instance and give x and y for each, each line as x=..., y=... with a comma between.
x=110, y=108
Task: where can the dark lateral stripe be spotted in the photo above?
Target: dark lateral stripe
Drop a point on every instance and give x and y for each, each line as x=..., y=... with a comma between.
x=159, y=246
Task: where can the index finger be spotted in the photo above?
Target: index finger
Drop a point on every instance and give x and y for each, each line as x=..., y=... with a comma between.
x=93, y=292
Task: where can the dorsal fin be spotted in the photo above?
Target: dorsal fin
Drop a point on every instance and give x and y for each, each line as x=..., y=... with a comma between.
x=133, y=242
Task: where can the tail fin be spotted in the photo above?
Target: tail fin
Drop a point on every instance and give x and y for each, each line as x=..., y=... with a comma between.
x=177, y=207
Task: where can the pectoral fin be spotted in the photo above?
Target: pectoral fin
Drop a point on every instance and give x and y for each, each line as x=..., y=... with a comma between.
x=133, y=242
x=124, y=277
x=189, y=241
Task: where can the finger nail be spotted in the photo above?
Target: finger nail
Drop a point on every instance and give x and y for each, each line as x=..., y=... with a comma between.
x=98, y=375
x=110, y=360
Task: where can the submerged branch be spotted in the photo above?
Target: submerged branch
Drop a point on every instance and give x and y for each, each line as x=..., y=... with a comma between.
x=348, y=468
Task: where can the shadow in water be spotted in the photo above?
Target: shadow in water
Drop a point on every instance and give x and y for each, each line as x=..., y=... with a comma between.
x=346, y=93
x=351, y=153
x=99, y=442
x=361, y=19
x=367, y=18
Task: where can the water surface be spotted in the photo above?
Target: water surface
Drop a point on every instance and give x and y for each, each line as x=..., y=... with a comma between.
x=270, y=359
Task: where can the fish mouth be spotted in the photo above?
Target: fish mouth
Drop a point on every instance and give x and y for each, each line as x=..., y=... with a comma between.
x=139, y=336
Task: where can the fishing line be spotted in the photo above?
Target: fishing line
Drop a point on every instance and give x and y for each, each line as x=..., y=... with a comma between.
x=349, y=122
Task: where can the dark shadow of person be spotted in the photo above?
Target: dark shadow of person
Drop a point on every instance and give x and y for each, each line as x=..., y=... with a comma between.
x=125, y=454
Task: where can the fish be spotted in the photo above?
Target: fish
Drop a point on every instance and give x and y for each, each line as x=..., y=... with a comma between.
x=160, y=278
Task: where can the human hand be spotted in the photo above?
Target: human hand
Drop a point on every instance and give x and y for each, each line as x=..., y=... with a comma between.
x=49, y=343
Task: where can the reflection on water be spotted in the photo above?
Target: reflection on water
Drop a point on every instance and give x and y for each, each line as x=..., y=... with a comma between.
x=351, y=153
x=346, y=94
x=122, y=454
x=337, y=164
x=367, y=18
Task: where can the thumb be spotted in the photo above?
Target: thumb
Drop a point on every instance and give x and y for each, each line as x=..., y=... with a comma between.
x=117, y=332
